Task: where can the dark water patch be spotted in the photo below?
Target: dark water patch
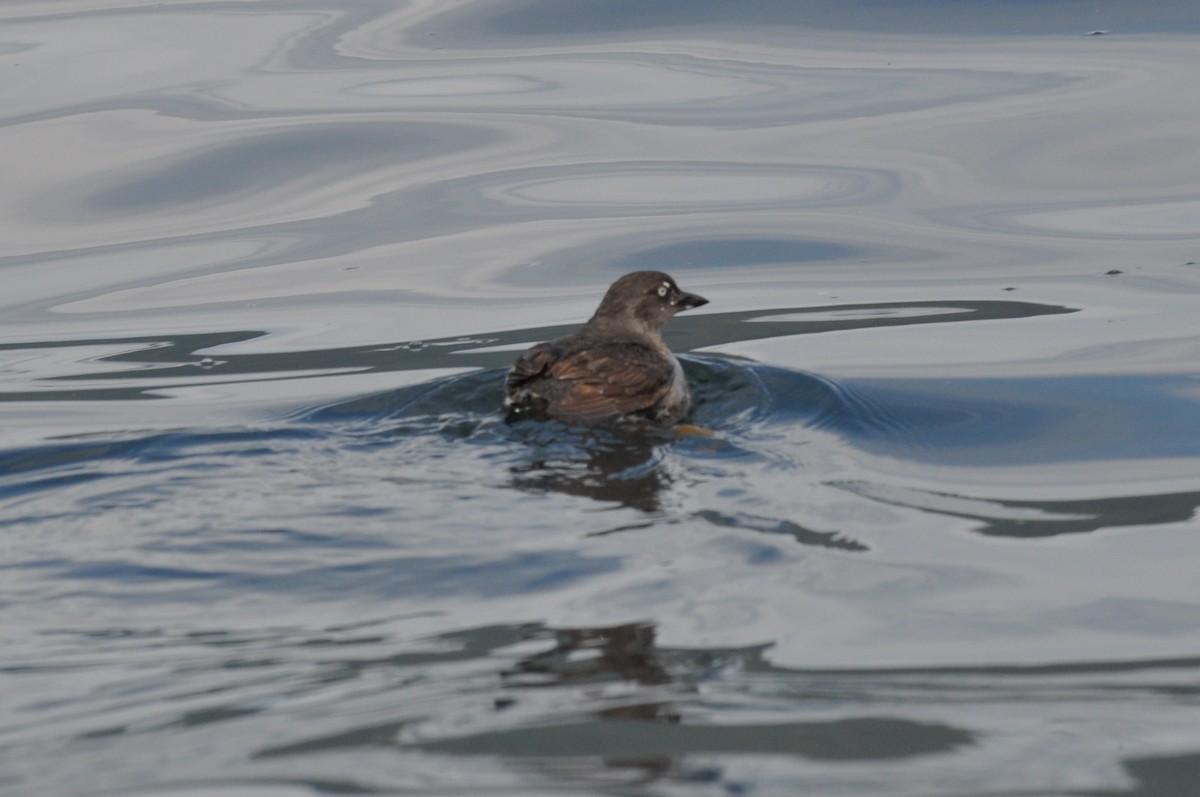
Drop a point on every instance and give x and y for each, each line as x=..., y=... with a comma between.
x=473, y=395
x=821, y=539
x=216, y=714
x=1025, y=519
x=133, y=573
x=172, y=356
x=381, y=735
x=385, y=577
x=150, y=356
x=71, y=462
x=1163, y=776
x=983, y=17
x=485, y=577
x=859, y=739
x=1033, y=420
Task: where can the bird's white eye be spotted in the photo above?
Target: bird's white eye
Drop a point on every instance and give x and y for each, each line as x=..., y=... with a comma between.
x=662, y=289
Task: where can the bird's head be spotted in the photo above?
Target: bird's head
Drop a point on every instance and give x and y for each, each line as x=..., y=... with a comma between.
x=644, y=301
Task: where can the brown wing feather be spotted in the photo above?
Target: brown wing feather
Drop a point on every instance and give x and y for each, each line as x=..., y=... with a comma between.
x=529, y=366
x=590, y=383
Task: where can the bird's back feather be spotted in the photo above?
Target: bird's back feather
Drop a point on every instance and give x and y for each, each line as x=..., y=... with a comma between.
x=589, y=381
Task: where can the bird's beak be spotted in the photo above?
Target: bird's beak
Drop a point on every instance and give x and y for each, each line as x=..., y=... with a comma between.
x=686, y=301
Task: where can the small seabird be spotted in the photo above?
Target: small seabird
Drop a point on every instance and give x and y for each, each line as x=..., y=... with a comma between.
x=615, y=366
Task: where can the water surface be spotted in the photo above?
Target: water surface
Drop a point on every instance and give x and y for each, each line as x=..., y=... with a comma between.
x=266, y=530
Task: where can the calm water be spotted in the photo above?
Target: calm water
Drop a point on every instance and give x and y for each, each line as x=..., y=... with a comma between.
x=265, y=531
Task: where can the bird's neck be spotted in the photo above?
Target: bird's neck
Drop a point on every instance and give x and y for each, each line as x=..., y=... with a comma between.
x=622, y=328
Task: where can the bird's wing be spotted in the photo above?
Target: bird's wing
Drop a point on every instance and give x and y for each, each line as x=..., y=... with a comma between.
x=528, y=368
x=594, y=382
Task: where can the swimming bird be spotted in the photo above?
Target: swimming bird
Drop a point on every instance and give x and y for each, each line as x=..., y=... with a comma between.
x=616, y=366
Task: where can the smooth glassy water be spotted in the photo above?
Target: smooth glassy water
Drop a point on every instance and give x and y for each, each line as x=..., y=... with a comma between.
x=931, y=530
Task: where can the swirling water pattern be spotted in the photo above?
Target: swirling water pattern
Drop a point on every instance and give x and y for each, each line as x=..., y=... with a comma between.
x=266, y=531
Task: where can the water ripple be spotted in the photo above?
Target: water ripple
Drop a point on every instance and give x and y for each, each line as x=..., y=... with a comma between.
x=266, y=530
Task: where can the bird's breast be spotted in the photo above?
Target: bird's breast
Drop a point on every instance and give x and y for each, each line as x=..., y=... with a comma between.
x=678, y=396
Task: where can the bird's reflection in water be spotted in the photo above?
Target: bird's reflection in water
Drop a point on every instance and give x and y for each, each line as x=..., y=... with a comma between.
x=593, y=657
x=616, y=466
x=629, y=468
